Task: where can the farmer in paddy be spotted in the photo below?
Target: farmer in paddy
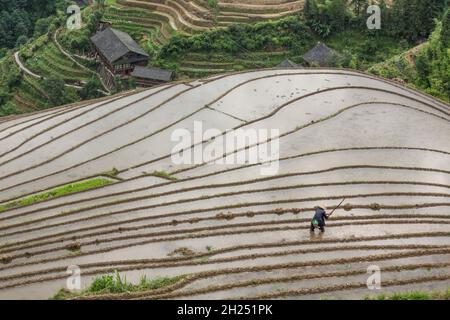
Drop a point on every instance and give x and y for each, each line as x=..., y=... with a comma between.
x=318, y=221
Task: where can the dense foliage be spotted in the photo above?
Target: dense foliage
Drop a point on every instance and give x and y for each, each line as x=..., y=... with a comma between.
x=426, y=66
x=325, y=16
x=413, y=20
x=340, y=23
x=433, y=62
x=10, y=77
x=290, y=33
x=52, y=90
x=77, y=40
x=55, y=89
x=18, y=19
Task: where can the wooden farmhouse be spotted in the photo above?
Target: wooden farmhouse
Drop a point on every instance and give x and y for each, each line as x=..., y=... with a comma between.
x=120, y=56
x=118, y=52
x=320, y=55
x=148, y=77
x=287, y=64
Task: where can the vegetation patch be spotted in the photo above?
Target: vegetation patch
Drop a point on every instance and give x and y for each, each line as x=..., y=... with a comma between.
x=74, y=246
x=165, y=175
x=5, y=259
x=348, y=207
x=413, y=295
x=55, y=193
x=115, y=284
x=112, y=173
x=425, y=66
x=183, y=251
x=239, y=46
x=238, y=42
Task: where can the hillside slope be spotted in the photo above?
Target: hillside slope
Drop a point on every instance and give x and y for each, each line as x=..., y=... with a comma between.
x=227, y=230
x=426, y=66
x=199, y=38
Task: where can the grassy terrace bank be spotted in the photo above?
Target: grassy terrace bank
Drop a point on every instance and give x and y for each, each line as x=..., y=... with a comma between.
x=413, y=295
x=56, y=192
x=115, y=284
x=109, y=285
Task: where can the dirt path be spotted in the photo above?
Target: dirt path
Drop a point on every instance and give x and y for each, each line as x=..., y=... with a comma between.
x=23, y=68
x=34, y=75
x=68, y=55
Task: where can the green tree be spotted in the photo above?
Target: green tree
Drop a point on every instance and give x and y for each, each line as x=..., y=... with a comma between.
x=359, y=6
x=385, y=14
x=55, y=89
x=8, y=108
x=337, y=11
x=445, y=33
x=308, y=9
x=414, y=19
x=3, y=52
x=213, y=4
x=42, y=26
x=327, y=16
x=433, y=65
x=4, y=96
x=91, y=89
x=17, y=18
x=21, y=40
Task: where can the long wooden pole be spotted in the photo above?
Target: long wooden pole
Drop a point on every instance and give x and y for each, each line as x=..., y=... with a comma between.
x=337, y=206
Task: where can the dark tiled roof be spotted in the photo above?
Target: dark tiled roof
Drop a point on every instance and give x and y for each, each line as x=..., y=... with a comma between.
x=114, y=44
x=152, y=73
x=320, y=54
x=287, y=64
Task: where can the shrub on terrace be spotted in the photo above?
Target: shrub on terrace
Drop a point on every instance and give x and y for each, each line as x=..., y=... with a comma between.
x=56, y=90
x=289, y=33
x=91, y=89
x=78, y=40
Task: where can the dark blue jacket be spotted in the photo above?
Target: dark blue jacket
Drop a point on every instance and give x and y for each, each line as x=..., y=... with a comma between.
x=320, y=216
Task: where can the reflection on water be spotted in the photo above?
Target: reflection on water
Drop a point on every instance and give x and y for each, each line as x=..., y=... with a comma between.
x=316, y=235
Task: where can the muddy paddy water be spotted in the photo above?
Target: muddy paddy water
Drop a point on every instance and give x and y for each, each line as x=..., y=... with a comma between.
x=234, y=232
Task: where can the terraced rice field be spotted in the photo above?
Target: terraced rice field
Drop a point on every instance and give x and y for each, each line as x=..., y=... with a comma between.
x=229, y=230
x=191, y=16
x=143, y=25
x=49, y=62
x=153, y=22
x=29, y=96
x=197, y=65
